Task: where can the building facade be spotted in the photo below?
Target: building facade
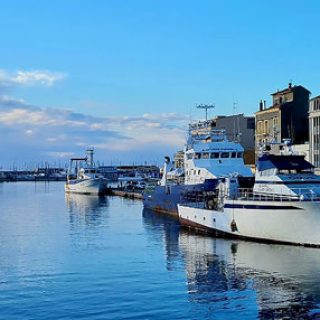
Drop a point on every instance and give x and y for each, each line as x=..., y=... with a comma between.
x=287, y=118
x=314, y=128
x=239, y=128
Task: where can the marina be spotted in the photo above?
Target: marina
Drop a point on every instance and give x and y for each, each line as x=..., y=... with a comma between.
x=104, y=257
x=159, y=160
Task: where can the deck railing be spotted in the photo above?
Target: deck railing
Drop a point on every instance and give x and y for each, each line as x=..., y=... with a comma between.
x=217, y=198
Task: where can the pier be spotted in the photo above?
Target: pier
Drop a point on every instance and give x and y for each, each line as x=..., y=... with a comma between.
x=124, y=194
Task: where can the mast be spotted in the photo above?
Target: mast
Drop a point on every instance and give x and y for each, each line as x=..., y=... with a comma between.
x=206, y=107
x=90, y=152
x=235, y=129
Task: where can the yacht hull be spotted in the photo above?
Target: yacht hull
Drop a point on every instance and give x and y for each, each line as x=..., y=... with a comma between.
x=291, y=222
x=89, y=186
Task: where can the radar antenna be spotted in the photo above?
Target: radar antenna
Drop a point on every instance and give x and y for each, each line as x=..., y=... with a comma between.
x=206, y=107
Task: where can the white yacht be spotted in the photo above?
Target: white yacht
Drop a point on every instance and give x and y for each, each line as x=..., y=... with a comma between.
x=283, y=205
x=87, y=179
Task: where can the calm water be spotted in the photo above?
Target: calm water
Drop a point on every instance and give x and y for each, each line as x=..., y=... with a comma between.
x=82, y=257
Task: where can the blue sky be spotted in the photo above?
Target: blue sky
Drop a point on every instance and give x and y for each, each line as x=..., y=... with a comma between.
x=142, y=62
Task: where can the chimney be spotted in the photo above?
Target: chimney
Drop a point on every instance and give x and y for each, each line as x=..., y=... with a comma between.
x=264, y=104
x=290, y=85
x=261, y=105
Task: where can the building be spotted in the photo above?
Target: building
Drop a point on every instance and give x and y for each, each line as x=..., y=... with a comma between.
x=239, y=128
x=287, y=118
x=314, y=131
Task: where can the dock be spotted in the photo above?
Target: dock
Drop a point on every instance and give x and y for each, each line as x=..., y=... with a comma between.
x=124, y=194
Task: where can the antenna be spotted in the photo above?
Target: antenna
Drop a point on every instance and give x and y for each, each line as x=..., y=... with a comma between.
x=206, y=107
x=235, y=129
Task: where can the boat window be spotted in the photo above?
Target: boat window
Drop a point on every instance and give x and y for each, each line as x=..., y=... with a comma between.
x=189, y=156
x=199, y=172
x=197, y=155
x=205, y=155
x=214, y=155
x=240, y=155
x=233, y=154
x=224, y=154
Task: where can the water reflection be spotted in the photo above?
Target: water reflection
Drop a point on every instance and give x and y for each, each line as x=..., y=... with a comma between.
x=259, y=280
x=161, y=227
x=85, y=208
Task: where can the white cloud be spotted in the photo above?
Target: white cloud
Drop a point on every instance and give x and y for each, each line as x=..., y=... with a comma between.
x=60, y=154
x=29, y=132
x=30, y=78
x=60, y=133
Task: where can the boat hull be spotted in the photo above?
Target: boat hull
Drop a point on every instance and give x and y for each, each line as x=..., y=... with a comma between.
x=89, y=186
x=165, y=199
x=292, y=222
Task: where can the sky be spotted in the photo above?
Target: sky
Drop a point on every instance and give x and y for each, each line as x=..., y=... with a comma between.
x=125, y=76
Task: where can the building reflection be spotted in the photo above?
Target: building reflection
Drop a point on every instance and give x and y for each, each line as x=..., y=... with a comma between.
x=261, y=280
x=85, y=209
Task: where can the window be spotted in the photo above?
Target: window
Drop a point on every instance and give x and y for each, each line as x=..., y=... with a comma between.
x=205, y=155
x=224, y=154
x=260, y=127
x=214, y=155
x=240, y=155
x=266, y=127
x=197, y=155
x=199, y=172
x=189, y=156
x=233, y=154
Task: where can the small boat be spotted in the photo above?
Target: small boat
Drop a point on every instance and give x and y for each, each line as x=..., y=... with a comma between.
x=87, y=179
x=282, y=206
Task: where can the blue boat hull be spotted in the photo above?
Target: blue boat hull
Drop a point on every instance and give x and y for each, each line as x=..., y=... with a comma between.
x=165, y=199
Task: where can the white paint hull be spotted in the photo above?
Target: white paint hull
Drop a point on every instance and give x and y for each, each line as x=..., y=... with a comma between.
x=88, y=186
x=292, y=222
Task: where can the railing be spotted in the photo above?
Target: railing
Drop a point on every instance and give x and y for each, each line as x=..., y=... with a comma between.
x=292, y=194
x=215, y=199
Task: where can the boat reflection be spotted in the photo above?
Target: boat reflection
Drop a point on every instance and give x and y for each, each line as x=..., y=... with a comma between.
x=259, y=280
x=281, y=280
x=85, y=208
x=159, y=227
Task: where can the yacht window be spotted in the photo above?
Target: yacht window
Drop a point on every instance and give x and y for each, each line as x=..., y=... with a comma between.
x=224, y=154
x=214, y=155
x=233, y=154
x=197, y=155
x=199, y=172
x=205, y=155
x=240, y=154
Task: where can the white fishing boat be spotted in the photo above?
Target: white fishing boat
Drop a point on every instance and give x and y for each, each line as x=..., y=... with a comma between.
x=207, y=157
x=87, y=179
x=283, y=205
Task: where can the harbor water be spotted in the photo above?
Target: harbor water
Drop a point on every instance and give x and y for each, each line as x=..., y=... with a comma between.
x=86, y=257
